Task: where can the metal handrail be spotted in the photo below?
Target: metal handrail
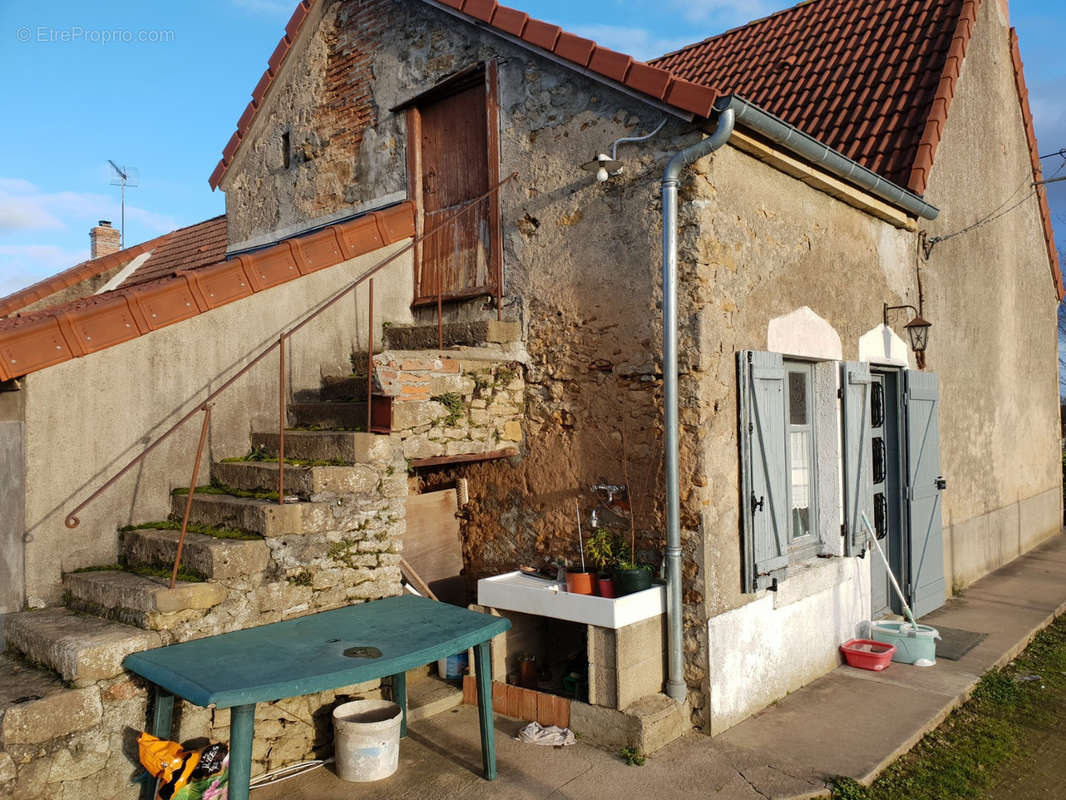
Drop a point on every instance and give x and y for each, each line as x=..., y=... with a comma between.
x=72, y=520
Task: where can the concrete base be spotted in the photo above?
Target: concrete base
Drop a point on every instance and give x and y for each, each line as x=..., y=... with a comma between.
x=647, y=725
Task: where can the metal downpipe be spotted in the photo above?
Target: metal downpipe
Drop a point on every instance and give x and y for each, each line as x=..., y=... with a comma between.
x=676, y=688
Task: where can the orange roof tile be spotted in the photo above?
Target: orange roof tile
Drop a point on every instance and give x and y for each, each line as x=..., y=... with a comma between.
x=862, y=76
x=50, y=336
x=186, y=248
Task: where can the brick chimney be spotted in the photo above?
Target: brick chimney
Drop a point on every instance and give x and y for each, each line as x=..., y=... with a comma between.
x=103, y=239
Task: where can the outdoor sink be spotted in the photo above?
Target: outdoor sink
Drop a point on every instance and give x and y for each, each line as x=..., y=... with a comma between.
x=515, y=591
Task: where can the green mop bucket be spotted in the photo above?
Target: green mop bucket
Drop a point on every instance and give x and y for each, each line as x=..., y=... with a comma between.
x=913, y=642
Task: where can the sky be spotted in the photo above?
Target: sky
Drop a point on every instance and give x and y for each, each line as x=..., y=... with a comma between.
x=158, y=87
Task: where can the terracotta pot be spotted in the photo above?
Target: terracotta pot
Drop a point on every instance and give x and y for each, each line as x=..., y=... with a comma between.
x=580, y=582
x=527, y=674
x=606, y=586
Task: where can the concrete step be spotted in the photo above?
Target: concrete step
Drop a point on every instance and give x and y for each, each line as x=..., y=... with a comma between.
x=470, y=333
x=271, y=520
x=265, y=517
x=429, y=697
x=81, y=648
x=214, y=558
x=340, y=415
x=344, y=446
x=308, y=483
x=35, y=706
x=338, y=388
x=137, y=599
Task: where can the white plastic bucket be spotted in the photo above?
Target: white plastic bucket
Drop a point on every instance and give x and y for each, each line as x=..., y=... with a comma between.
x=366, y=740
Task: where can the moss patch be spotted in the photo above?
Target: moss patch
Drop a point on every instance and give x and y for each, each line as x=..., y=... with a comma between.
x=206, y=530
x=456, y=405
x=184, y=573
x=1010, y=710
x=218, y=489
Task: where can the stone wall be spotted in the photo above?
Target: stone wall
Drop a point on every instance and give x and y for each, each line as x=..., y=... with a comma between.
x=467, y=403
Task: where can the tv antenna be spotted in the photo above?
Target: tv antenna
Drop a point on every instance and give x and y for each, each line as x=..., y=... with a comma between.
x=124, y=176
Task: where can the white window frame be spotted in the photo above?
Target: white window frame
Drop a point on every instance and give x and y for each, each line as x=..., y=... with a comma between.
x=805, y=547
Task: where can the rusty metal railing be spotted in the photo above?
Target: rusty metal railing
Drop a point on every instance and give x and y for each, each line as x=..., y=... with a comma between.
x=72, y=520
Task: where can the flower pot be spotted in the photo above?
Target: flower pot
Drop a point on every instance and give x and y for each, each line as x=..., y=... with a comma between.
x=628, y=581
x=580, y=582
x=527, y=673
x=606, y=586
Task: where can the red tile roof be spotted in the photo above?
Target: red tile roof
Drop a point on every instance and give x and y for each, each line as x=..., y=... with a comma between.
x=71, y=277
x=866, y=77
x=186, y=248
x=684, y=95
x=51, y=336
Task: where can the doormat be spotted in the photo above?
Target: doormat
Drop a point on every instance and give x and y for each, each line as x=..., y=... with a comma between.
x=955, y=643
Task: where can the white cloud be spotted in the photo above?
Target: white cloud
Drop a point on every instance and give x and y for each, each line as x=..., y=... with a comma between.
x=730, y=12
x=24, y=207
x=24, y=265
x=637, y=42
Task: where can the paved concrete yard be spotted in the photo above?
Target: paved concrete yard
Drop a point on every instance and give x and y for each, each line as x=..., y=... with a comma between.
x=850, y=722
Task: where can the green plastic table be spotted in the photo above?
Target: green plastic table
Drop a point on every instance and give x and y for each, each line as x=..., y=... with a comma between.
x=304, y=655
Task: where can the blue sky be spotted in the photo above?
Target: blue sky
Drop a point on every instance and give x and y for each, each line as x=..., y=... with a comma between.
x=76, y=95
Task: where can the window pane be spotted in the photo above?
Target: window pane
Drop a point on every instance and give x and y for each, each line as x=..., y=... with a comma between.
x=800, y=457
x=797, y=398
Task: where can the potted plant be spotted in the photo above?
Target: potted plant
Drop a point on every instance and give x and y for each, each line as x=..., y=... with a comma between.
x=582, y=582
x=630, y=577
x=603, y=547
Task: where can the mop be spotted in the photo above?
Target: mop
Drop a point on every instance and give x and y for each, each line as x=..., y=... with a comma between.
x=915, y=628
x=899, y=592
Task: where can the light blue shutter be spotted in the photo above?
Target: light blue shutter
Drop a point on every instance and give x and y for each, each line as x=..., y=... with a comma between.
x=855, y=384
x=764, y=468
x=921, y=403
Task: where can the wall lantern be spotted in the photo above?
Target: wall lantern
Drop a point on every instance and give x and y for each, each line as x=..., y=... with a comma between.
x=917, y=330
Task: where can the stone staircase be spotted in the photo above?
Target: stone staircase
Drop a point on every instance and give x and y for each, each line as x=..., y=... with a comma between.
x=248, y=560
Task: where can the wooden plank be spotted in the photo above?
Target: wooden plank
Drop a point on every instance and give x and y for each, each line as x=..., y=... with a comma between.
x=468, y=458
x=470, y=690
x=492, y=121
x=432, y=544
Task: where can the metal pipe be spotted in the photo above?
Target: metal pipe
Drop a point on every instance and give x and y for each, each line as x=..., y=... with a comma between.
x=192, y=492
x=370, y=360
x=281, y=419
x=810, y=149
x=675, y=682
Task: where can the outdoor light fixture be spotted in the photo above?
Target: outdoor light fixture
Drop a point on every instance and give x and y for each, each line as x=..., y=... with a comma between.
x=604, y=166
x=917, y=330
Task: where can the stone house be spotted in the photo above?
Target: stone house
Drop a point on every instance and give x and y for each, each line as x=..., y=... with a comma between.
x=838, y=159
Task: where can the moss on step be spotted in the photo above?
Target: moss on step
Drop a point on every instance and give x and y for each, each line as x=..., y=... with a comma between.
x=456, y=405
x=184, y=573
x=218, y=489
x=193, y=527
x=326, y=428
x=295, y=462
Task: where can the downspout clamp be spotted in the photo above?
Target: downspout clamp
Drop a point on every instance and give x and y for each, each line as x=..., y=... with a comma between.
x=676, y=688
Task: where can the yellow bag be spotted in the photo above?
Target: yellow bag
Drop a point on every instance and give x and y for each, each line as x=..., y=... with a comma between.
x=167, y=761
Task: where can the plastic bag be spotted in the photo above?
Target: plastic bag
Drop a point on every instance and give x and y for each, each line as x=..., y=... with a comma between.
x=176, y=768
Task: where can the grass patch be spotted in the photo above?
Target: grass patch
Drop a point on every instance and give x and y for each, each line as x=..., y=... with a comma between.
x=184, y=573
x=965, y=755
x=215, y=489
x=295, y=462
x=453, y=401
x=193, y=527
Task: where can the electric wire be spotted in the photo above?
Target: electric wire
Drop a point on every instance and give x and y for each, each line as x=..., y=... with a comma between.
x=999, y=211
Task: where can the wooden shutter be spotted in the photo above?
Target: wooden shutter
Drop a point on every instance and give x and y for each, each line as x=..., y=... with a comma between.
x=855, y=382
x=764, y=468
x=921, y=402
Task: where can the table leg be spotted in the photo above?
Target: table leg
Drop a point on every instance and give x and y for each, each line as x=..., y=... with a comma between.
x=399, y=696
x=483, y=667
x=162, y=717
x=162, y=713
x=241, y=731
